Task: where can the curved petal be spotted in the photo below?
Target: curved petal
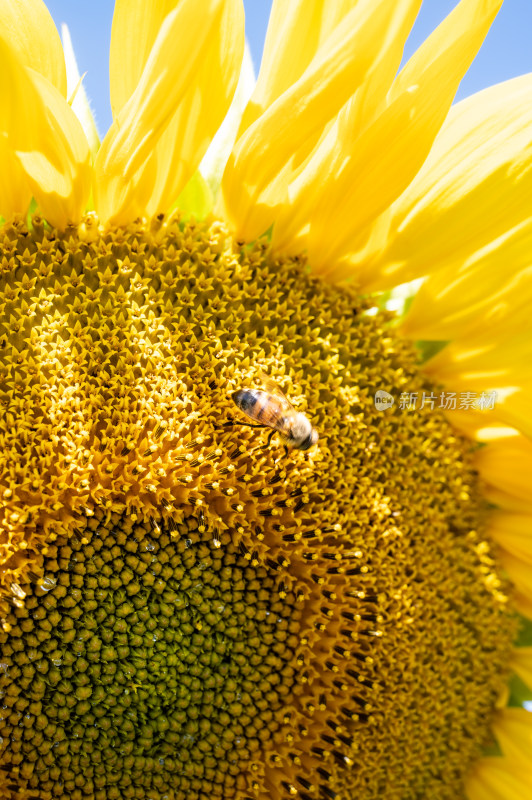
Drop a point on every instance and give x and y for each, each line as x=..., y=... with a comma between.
x=507, y=501
x=31, y=32
x=201, y=111
x=474, y=187
x=480, y=426
x=503, y=405
x=496, y=357
x=521, y=664
x=45, y=135
x=452, y=303
x=300, y=114
x=296, y=31
x=213, y=162
x=493, y=351
x=379, y=164
x=522, y=602
x=15, y=192
x=514, y=407
x=166, y=80
x=136, y=25
x=496, y=778
x=520, y=573
x=60, y=177
x=327, y=162
x=502, y=371
x=513, y=532
x=513, y=729
x=507, y=466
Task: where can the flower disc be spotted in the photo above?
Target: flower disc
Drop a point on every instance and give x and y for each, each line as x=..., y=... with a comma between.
x=187, y=611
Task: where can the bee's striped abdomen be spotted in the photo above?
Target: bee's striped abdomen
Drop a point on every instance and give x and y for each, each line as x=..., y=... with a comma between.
x=245, y=399
x=259, y=405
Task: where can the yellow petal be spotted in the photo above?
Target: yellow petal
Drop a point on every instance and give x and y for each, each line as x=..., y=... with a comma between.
x=166, y=78
x=513, y=532
x=521, y=664
x=485, y=304
x=60, y=176
x=520, y=573
x=494, y=353
x=507, y=501
x=15, y=193
x=513, y=729
x=453, y=302
x=383, y=160
x=201, y=111
x=514, y=407
x=476, y=425
x=296, y=31
x=45, y=135
x=31, y=32
x=502, y=371
x=497, y=778
x=486, y=361
x=502, y=405
x=301, y=113
x=507, y=466
x=327, y=162
x=136, y=25
x=522, y=603
x=474, y=187
x=213, y=162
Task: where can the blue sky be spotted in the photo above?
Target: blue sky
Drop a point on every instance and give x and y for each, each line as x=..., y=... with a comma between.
x=505, y=53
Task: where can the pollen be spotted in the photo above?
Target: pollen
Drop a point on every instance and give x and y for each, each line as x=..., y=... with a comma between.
x=187, y=611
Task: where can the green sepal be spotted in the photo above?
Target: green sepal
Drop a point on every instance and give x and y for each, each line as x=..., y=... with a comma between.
x=196, y=199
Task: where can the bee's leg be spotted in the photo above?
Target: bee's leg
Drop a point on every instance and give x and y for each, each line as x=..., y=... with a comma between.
x=286, y=451
x=244, y=424
x=270, y=437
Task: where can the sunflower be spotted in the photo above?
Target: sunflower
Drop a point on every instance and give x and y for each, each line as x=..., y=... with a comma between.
x=187, y=610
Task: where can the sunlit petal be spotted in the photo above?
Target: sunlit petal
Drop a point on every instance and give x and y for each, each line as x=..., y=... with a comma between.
x=44, y=133
x=520, y=573
x=299, y=115
x=507, y=466
x=486, y=288
x=213, y=162
x=522, y=664
x=474, y=188
x=136, y=25
x=296, y=31
x=513, y=532
x=380, y=163
x=202, y=109
x=165, y=82
x=324, y=163
x=513, y=729
x=496, y=778
x=15, y=192
x=31, y=32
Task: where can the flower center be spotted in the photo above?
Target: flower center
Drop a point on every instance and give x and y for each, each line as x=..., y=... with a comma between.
x=190, y=612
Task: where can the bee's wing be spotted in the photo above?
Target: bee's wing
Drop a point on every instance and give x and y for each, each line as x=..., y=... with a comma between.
x=273, y=388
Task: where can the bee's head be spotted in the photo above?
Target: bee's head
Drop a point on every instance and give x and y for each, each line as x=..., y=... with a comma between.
x=310, y=440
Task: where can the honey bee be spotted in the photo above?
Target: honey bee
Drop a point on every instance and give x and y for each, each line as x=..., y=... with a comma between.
x=270, y=408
